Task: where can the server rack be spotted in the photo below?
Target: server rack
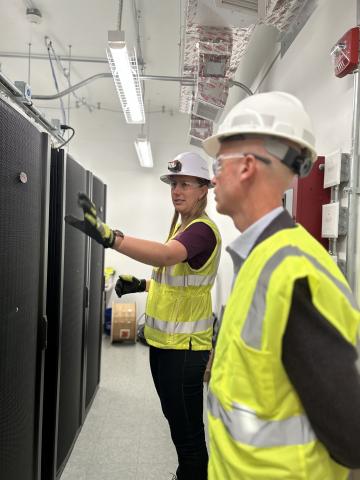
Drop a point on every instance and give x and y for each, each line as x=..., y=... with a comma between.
x=74, y=308
x=24, y=190
x=51, y=302
x=66, y=287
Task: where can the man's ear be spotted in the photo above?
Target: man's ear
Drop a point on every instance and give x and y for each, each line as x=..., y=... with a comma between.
x=247, y=167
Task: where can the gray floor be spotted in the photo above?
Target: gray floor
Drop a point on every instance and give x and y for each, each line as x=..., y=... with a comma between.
x=125, y=435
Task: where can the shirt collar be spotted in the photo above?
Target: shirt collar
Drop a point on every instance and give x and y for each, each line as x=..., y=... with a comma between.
x=243, y=244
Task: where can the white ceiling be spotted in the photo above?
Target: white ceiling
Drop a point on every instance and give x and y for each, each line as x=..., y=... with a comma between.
x=84, y=25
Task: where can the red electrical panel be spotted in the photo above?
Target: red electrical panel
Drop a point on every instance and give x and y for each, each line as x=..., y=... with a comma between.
x=309, y=195
x=346, y=53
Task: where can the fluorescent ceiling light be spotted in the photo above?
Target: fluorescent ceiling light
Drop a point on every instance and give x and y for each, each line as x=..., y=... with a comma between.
x=126, y=77
x=143, y=150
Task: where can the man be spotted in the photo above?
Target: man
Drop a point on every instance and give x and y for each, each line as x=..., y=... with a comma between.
x=284, y=395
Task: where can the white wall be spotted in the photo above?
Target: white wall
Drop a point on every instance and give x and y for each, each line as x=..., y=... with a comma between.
x=306, y=70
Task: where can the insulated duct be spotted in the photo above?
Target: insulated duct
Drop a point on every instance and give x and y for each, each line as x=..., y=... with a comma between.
x=281, y=13
x=216, y=36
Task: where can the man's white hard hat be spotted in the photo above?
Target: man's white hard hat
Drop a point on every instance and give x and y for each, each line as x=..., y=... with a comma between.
x=275, y=114
x=187, y=163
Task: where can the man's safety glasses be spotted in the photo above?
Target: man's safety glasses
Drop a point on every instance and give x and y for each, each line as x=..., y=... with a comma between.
x=218, y=162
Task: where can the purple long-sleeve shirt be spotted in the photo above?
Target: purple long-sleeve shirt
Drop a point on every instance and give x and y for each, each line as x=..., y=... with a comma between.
x=199, y=241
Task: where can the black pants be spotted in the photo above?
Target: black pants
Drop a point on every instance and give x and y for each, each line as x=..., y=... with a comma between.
x=178, y=378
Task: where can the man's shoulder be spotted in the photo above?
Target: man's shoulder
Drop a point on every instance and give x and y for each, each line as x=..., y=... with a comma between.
x=281, y=222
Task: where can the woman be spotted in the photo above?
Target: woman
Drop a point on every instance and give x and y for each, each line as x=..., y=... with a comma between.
x=179, y=320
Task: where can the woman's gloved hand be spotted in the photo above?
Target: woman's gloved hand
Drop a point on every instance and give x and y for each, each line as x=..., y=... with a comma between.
x=129, y=284
x=91, y=225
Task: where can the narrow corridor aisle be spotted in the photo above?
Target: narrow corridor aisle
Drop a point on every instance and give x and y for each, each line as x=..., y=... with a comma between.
x=125, y=435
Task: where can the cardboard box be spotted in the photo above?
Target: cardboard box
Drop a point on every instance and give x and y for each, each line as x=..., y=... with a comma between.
x=123, y=322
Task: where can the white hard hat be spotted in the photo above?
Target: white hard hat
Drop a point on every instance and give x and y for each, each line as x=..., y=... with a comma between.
x=187, y=163
x=277, y=114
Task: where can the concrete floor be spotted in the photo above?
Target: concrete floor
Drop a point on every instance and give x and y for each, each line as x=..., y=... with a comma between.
x=125, y=435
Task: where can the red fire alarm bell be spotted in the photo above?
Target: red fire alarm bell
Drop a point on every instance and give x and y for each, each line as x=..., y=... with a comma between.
x=345, y=53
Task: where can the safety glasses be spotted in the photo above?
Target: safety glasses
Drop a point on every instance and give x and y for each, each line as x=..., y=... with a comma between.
x=182, y=185
x=218, y=162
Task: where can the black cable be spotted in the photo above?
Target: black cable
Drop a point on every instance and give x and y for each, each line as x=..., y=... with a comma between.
x=66, y=127
x=49, y=46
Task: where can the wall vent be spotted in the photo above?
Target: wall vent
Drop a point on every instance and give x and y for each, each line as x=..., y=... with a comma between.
x=206, y=110
x=261, y=7
x=239, y=4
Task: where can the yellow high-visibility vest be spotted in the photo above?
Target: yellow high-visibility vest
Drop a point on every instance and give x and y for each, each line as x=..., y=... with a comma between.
x=179, y=309
x=258, y=427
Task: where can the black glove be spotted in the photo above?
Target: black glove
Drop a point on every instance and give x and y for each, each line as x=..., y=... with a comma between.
x=129, y=284
x=91, y=225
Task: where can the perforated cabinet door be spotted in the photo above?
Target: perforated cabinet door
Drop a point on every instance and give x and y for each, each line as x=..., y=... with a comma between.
x=96, y=304
x=23, y=177
x=72, y=326
x=54, y=315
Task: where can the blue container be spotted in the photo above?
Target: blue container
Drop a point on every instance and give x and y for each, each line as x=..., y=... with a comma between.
x=107, y=323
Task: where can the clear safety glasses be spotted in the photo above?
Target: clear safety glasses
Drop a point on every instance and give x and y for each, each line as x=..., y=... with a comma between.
x=182, y=185
x=218, y=162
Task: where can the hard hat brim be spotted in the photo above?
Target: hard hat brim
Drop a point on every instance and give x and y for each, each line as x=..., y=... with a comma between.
x=212, y=144
x=166, y=178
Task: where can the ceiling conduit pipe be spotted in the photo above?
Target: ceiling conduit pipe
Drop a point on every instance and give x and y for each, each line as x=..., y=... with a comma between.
x=62, y=58
x=352, y=247
x=241, y=85
x=184, y=80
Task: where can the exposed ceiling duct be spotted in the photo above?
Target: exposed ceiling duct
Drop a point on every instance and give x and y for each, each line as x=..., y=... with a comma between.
x=200, y=128
x=213, y=46
x=282, y=13
x=208, y=39
x=216, y=36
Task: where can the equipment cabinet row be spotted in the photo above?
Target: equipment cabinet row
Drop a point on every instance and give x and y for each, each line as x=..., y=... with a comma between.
x=51, y=302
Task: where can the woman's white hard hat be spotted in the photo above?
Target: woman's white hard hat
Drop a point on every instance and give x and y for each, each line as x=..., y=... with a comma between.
x=187, y=163
x=277, y=114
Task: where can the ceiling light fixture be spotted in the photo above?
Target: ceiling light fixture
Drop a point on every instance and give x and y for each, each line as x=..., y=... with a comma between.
x=143, y=150
x=124, y=69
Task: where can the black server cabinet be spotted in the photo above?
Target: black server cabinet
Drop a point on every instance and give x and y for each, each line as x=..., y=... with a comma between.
x=63, y=396
x=74, y=310
x=95, y=303
x=70, y=395
x=24, y=181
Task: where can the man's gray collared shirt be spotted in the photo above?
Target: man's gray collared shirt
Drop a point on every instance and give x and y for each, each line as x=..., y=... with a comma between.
x=240, y=248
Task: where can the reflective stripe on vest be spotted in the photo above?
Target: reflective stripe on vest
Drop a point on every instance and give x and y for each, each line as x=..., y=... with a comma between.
x=185, y=280
x=245, y=427
x=253, y=326
x=179, y=327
